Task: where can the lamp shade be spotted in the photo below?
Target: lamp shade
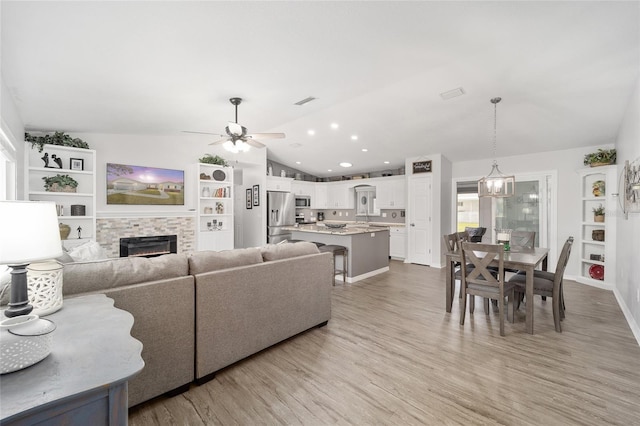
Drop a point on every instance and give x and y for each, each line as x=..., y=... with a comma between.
x=29, y=232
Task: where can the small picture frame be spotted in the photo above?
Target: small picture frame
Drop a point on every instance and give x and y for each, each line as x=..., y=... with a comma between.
x=256, y=195
x=249, y=199
x=76, y=164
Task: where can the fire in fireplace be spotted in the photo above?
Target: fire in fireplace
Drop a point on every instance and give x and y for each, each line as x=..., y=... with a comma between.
x=148, y=246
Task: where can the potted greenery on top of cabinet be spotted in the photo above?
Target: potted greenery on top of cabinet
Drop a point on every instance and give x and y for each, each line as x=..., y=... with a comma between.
x=58, y=138
x=602, y=157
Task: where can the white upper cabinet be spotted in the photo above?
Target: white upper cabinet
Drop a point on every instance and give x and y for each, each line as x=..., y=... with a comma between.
x=276, y=183
x=390, y=192
x=303, y=188
x=319, y=199
x=340, y=195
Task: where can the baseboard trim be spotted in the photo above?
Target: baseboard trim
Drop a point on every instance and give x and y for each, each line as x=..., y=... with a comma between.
x=635, y=329
x=593, y=283
x=357, y=278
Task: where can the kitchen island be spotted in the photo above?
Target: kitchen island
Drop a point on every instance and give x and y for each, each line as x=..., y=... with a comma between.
x=368, y=247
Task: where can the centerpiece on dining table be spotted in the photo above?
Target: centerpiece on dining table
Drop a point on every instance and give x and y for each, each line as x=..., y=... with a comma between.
x=503, y=236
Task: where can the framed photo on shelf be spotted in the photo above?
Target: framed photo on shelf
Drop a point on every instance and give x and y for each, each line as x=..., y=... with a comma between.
x=76, y=164
x=249, y=200
x=256, y=195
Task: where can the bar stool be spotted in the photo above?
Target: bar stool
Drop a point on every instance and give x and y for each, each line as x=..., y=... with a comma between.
x=337, y=250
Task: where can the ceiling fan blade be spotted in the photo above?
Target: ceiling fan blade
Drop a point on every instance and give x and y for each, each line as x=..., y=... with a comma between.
x=203, y=133
x=266, y=136
x=254, y=143
x=219, y=141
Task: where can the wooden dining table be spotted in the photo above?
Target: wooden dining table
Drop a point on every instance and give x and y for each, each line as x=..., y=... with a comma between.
x=517, y=258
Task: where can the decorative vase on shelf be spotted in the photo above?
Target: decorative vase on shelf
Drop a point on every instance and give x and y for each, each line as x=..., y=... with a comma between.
x=206, y=192
x=598, y=218
x=65, y=230
x=598, y=188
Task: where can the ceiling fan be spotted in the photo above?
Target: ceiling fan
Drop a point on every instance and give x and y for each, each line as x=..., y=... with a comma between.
x=237, y=139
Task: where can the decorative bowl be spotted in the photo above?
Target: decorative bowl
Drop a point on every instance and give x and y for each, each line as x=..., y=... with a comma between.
x=26, y=340
x=335, y=225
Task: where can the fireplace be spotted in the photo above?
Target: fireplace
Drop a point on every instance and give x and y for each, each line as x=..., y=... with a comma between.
x=148, y=246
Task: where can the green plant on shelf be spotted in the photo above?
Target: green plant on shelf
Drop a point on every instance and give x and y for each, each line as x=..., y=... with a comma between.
x=600, y=157
x=60, y=180
x=210, y=159
x=598, y=211
x=58, y=138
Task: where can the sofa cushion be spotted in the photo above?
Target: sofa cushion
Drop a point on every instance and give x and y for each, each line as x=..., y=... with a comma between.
x=82, y=277
x=207, y=261
x=285, y=251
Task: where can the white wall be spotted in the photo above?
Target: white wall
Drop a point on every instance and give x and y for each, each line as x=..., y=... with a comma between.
x=168, y=152
x=180, y=151
x=628, y=231
x=13, y=147
x=565, y=163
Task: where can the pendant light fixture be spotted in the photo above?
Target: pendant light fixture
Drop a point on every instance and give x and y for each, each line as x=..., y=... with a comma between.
x=496, y=184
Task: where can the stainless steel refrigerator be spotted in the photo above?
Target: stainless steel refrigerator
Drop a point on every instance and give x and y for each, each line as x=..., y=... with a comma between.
x=281, y=211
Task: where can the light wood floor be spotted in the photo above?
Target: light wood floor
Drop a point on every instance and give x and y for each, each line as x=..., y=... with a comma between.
x=391, y=355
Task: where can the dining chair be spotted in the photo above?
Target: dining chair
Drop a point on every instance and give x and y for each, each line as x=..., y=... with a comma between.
x=452, y=245
x=548, y=284
x=480, y=281
x=524, y=239
x=475, y=234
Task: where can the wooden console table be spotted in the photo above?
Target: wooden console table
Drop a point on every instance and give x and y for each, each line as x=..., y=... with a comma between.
x=84, y=379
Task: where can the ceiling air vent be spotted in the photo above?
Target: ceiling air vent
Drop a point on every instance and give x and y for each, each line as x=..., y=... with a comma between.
x=305, y=100
x=452, y=93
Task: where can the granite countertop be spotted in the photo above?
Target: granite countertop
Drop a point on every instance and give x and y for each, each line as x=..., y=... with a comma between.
x=351, y=229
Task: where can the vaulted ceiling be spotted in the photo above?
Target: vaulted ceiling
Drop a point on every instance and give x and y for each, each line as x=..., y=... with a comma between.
x=565, y=71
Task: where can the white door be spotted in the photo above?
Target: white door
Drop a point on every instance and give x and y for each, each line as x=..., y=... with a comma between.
x=419, y=220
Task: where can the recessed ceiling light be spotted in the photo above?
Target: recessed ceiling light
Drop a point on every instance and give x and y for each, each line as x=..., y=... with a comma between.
x=297, y=162
x=329, y=170
x=311, y=132
x=354, y=137
x=334, y=125
x=386, y=162
x=345, y=164
x=364, y=150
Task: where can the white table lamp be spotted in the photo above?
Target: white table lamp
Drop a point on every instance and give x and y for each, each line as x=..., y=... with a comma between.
x=29, y=232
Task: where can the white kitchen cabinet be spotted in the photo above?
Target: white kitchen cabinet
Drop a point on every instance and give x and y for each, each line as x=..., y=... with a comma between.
x=276, y=183
x=340, y=195
x=303, y=188
x=390, y=192
x=76, y=209
x=214, y=217
x=398, y=242
x=319, y=199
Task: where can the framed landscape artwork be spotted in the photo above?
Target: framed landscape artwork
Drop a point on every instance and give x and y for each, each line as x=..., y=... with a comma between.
x=141, y=185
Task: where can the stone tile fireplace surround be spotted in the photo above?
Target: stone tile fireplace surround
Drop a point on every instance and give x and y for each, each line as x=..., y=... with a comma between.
x=109, y=230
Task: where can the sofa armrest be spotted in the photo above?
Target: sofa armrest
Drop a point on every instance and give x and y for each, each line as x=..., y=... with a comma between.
x=163, y=313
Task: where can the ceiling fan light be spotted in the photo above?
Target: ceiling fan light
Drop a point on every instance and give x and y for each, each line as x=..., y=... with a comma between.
x=230, y=146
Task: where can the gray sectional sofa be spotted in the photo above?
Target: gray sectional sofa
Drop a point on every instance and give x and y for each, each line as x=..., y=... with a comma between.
x=196, y=314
